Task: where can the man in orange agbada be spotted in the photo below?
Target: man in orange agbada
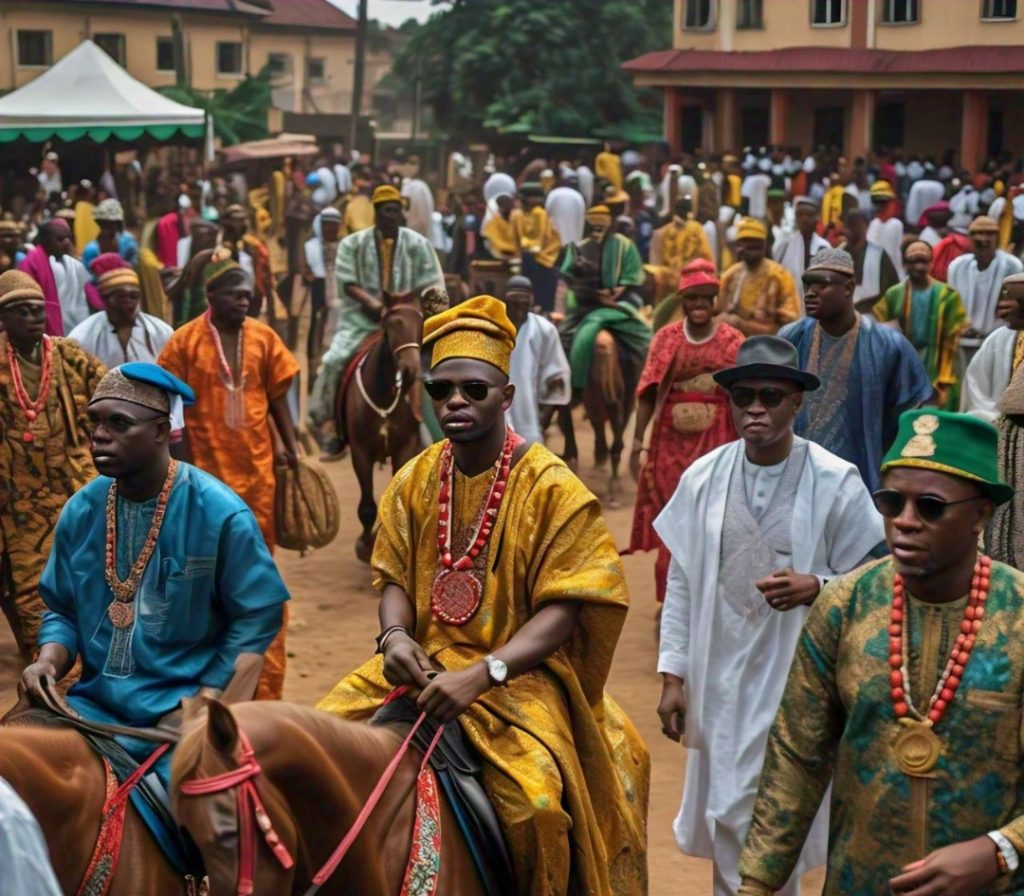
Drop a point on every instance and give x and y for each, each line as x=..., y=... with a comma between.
x=242, y=370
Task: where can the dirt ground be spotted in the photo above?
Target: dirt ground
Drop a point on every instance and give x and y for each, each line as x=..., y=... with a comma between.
x=333, y=623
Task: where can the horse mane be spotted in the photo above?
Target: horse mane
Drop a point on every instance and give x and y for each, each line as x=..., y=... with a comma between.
x=265, y=721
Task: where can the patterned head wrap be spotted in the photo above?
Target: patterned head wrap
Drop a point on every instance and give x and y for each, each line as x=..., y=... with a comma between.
x=111, y=272
x=109, y=210
x=221, y=262
x=838, y=260
x=699, y=272
x=17, y=286
x=600, y=215
x=751, y=229
x=478, y=328
x=385, y=193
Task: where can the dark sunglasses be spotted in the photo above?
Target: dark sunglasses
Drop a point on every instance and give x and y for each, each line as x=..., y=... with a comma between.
x=120, y=423
x=820, y=280
x=474, y=390
x=770, y=397
x=929, y=509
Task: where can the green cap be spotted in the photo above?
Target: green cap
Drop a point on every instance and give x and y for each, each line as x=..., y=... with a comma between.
x=957, y=444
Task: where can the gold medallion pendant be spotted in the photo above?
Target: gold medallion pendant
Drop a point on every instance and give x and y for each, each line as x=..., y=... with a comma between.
x=917, y=747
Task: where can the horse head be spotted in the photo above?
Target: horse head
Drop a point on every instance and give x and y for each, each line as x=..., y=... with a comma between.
x=238, y=827
x=403, y=331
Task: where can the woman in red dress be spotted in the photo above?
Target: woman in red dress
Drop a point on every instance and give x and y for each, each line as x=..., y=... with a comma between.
x=690, y=411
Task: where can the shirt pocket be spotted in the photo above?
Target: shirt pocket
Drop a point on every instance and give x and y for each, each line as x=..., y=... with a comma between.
x=997, y=722
x=177, y=609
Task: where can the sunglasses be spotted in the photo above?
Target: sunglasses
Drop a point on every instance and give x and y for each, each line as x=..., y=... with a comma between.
x=770, y=397
x=474, y=390
x=820, y=280
x=120, y=423
x=929, y=509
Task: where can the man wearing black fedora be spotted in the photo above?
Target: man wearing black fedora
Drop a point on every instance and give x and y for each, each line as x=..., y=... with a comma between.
x=754, y=529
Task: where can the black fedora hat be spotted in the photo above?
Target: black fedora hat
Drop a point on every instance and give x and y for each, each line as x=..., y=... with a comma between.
x=767, y=357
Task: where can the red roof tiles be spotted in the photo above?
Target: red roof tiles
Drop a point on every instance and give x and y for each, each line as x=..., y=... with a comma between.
x=959, y=60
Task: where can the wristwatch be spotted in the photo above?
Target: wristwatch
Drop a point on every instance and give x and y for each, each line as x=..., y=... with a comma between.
x=1006, y=854
x=497, y=671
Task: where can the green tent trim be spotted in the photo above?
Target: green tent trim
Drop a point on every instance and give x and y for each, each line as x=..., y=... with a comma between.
x=102, y=134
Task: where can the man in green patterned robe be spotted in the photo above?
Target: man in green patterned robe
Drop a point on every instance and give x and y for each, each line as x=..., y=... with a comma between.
x=922, y=805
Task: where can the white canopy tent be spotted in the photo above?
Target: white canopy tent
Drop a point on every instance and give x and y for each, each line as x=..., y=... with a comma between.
x=87, y=94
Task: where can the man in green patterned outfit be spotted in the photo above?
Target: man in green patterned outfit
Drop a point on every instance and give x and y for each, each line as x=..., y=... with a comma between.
x=906, y=687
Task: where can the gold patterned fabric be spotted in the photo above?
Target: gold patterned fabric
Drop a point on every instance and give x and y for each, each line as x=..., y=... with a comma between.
x=766, y=295
x=563, y=765
x=836, y=716
x=37, y=477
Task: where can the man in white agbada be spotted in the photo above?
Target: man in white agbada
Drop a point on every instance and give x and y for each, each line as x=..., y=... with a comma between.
x=978, y=276
x=122, y=331
x=992, y=368
x=754, y=529
x=538, y=368
x=923, y=194
x=796, y=251
x=23, y=853
x=566, y=209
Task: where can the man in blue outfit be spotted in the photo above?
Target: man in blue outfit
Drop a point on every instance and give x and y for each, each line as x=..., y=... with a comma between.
x=870, y=373
x=158, y=578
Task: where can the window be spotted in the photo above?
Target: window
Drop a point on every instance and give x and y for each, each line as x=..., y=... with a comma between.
x=828, y=12
x=279, y=64
x=999, y=9
x=316, y=71
x=900, y=12
x=229, y=58
x=749, y=14
x=112, y=45
x=35, y=48
x=698, y=15
x=165, y=54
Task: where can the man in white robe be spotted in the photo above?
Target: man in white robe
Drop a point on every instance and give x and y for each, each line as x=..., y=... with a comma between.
x=538, y=368
x=923, y=195
x=978, y=276
x=995, y=363
x=419, y=213
x=754, y=529
x=795, y=252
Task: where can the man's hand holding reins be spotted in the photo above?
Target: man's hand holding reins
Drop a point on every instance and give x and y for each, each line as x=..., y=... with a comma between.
x=406, y=663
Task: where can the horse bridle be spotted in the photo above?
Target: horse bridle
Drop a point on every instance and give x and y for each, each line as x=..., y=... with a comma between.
x=250, y=806
x=384, y=413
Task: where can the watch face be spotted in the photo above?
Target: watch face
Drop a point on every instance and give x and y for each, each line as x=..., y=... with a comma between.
x=498, y=670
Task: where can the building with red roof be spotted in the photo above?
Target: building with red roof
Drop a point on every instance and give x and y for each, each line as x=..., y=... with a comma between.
x=923, y=75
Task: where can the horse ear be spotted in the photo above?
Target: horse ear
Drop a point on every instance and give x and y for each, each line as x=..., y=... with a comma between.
x=221, y=728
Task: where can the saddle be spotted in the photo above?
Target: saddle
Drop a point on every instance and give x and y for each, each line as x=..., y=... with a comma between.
x=458, y=768
x=149, y=795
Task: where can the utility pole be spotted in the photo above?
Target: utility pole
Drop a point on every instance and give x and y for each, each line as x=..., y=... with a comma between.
x=357, y=75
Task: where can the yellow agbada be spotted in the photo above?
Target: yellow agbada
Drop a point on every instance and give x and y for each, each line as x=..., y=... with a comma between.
x=535, y=233
x=501, y=236
x=563, y=765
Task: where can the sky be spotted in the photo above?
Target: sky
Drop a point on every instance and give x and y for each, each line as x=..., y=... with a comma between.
x=390, y=12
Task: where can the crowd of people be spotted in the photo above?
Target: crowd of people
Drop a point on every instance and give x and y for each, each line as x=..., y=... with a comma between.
x=825, y=358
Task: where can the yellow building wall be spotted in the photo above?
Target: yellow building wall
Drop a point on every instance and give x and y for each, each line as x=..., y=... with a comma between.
x=787, y=23
x=70, y=26
x=947, y=23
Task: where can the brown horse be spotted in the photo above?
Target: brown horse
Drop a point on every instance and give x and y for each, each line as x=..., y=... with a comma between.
x=608, y=397
x=62, y=781
x=375, y=408
x=315, y=774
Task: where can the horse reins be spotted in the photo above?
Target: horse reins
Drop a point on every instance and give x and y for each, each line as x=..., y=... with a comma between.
x=250, y=805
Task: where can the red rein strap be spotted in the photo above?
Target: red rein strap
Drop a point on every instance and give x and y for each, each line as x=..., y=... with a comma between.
x=250, y=804
x=329, y=867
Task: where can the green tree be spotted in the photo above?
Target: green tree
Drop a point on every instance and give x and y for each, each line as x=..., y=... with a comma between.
x=239, y=114
x=521, y=66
